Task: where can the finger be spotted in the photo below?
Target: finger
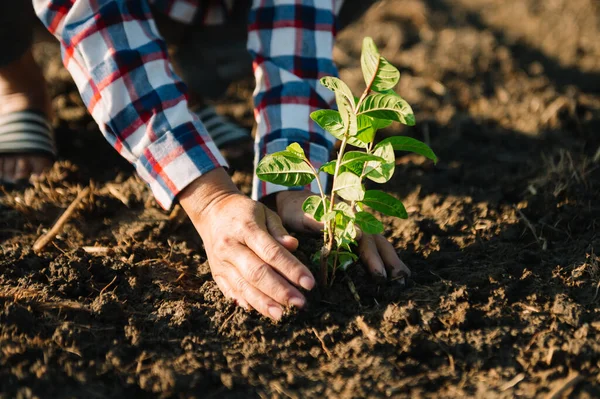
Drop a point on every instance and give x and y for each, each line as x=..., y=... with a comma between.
x=230, y=293
x=275, y=227
x=259, y=301
x=370, y=256
x=310, y=225
x=9, y=169
x=263, y=277
x=392, y=261
x=359, y=233
x=22, y=169
x=272, y=253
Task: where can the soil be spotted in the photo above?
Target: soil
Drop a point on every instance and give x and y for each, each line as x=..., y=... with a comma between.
x=501, y=238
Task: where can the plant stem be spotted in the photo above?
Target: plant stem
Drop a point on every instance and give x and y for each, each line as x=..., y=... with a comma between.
x=337, y=169
x=325, y=251
x=323, y=198
x=335, y=262
x=327, y=247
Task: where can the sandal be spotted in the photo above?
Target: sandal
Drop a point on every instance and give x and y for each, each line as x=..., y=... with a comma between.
x=26, y=132
x=223, y=132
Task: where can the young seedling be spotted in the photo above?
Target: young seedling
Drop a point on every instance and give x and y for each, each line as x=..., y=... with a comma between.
x=355, y=123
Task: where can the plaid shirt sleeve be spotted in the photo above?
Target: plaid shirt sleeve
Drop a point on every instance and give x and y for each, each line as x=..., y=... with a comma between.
x=291, y=42
x=119, y=63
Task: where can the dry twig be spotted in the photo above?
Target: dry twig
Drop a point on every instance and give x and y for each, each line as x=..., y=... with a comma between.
x=518, y=378
x=563, y=386
x=540, y=240
x=114, y=191
x=98, y=251
x=369, y=332
x=107, y=285
x=45, y=239
x=322, y=343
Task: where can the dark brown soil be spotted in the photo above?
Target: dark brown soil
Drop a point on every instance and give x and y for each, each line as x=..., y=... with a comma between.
x=502, y=239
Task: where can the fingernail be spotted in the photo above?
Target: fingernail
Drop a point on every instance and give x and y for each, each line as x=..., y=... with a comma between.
x=379, y=278
x=275, y=312
x=380, y=274
x=297, y=301
x=307, y=282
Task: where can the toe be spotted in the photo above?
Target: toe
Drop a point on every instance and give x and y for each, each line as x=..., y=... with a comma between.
x=9, y=169
x=22, y=169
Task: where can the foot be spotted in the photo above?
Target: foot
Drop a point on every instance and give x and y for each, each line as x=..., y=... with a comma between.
x=22, y=87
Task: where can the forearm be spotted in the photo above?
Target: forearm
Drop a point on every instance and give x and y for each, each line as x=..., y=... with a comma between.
x=119, y=63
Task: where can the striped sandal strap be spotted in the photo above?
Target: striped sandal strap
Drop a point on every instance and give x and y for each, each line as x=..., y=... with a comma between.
x=26, y=132
x=222, y=131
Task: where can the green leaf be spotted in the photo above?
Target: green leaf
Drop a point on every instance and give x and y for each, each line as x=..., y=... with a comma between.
x=355, y=161
x=365, y=128
x=381, y=123
x=384, y=203
x=345, y=259
x=345, y=231
x=381, y=172
x=402, y=143
x=338, y=86
x=330, y=121
x=328, y=216
x=379, y=74
x=284, y=168
x=313, y=206
x=295, y=148
x=369, y=223
x=328, y=167
x=348, y=116
x=345, y=209
x=349, y=232
x=345, y=102
x=349, y=187
x=389, y=107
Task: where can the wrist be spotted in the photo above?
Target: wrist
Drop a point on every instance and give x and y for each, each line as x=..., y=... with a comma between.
x=200, y=195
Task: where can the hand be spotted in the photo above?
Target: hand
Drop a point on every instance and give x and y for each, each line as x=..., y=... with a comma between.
x=376, y=252
x=247, y=246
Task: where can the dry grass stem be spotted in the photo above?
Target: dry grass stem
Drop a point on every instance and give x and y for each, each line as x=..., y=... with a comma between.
x=114, y=191
x=322, y=343
x=98, y=251
x=45, y=239
x=512, y=383
x=563, y=386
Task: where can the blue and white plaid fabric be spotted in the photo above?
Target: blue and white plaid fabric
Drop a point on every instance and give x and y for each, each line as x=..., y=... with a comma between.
x=119, y=62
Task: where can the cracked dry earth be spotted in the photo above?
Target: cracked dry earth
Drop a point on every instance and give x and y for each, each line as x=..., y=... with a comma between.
x=503, y=238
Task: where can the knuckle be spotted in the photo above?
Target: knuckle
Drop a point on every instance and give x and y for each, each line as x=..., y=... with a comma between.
x=284, y=294
x=241, y=286
x=258, y=273
x=272, y=253
x=275, y=217
x=248, y=225
x=224, y=245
